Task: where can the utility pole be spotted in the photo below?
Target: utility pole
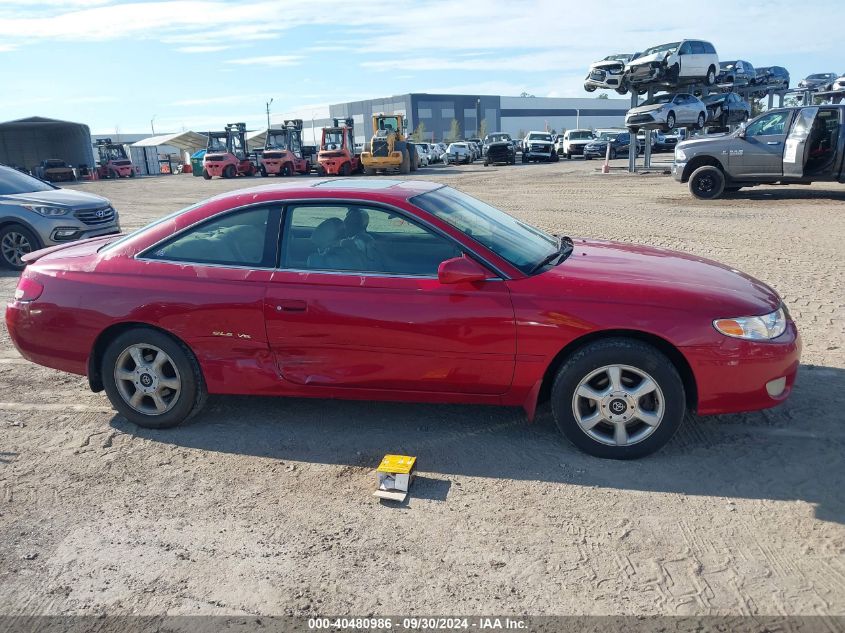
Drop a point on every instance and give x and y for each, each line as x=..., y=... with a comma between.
x=267, y=106
x=152, y=124
x=478, y=116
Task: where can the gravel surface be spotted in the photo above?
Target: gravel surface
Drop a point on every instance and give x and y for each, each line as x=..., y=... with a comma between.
x=264, y=506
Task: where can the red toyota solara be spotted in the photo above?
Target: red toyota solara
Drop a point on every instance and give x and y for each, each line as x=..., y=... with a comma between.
x=411, y=291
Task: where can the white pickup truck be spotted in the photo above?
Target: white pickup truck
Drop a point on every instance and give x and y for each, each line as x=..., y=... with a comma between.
x=574, y=141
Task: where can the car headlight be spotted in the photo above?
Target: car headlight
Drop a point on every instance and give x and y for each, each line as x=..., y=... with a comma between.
x=46, y=211
x=755, y=328
x=680, y=154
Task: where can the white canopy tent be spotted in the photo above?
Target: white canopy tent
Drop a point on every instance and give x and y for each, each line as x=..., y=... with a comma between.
x=189, y=142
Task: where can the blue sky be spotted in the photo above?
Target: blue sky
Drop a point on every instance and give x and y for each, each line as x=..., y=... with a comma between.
x=198, y=64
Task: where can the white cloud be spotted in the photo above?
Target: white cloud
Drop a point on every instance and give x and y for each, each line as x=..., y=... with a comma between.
x=203, y=49
x=268, y=60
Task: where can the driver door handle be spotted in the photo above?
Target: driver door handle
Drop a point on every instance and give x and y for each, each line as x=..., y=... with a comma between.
x=291, y=305
x=772, y=142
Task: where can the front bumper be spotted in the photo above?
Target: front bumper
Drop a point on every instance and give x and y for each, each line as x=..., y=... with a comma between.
x=65, y=229
x=678, y=171
x=737, y=375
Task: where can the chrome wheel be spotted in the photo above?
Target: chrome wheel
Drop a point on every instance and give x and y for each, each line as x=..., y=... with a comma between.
x=618, y=405
x=147, y=379
x=14, y=246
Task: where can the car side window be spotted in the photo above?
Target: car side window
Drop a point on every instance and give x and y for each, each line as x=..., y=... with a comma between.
x=697, y=48
x=686, y=49
x=770, y=124
x=248, y=237
x=360, y=239
x=709, y=48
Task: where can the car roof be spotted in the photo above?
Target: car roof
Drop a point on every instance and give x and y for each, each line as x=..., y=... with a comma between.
x=335, y=187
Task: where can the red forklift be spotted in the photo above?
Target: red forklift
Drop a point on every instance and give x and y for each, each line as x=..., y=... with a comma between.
x=113, y=161
x=226, y=154
x=337, y=155
x=283, y=152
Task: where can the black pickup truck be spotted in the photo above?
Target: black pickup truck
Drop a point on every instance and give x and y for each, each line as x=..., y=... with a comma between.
x=787, y=146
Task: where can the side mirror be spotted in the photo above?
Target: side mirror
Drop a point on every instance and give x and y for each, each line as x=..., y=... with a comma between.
x=460, y=270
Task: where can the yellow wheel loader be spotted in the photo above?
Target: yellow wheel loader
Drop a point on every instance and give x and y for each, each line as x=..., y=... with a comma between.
x=389, y=149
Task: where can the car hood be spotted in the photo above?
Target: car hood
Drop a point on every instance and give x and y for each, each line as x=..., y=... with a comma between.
x=654, y=57
x=58, y=197
x=647, y=108
x=693, y=142
x=607, y=64
x=617, y=272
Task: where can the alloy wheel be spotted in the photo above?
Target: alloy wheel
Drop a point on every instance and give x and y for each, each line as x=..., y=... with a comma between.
x=14, y=246
x=147, y=379
x=618, y=405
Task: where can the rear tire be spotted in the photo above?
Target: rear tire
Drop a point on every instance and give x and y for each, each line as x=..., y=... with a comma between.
x=639, y=399
x=369, y=171
x=707, y=182
x=345, y=169
x=405, y=166
x=167, y=377
x=699, y=124
x=711, y=76
x=229, y=171
x=206, y=175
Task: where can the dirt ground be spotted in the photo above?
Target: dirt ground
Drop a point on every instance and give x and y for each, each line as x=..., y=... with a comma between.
x=264, y=506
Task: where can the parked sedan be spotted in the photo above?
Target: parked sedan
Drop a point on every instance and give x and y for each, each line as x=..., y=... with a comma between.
x=620, y=145
x=817, y=81
x=726, y=108
x=457, y=153
x=404, y=291
x=667, y=111
x=423, y=155
x=736, y=72
x=775, y=77
x=838, y=84
x=35, y=214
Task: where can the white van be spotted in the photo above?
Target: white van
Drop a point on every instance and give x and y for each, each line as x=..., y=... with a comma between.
x=675, y=62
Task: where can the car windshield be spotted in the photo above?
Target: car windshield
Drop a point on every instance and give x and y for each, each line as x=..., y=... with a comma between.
x=457, y=146
x=726, y=64
x=520, y=244
x=540, y=137
x=276, y=140
x=617, y=58
x=217, y=143
x=714, y=98
x=663, y=48
x=12, y=181
x=820, y=76
x=333, y=139
x=658, y=99
x=496, y=138
x=608, y=136
x=580, y=136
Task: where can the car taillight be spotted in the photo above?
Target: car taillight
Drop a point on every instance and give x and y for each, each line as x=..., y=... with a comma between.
x=28, y=289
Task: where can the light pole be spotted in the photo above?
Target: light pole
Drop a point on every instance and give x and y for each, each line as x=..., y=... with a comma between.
x=267, y=107
x=577, y=118
x=152, y=124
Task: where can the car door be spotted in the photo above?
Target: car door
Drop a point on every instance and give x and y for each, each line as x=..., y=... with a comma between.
x=207, y=285
x=812, y=144
x=758, y=152
x=687, y=60
x=688, y=113
x=357, y=304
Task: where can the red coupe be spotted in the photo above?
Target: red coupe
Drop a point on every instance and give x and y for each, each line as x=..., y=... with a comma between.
x=411, y=291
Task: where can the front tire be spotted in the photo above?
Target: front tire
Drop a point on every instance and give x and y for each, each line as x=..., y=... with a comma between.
x=16, y=241
x=699, y=124
x=206, y=175
x=618, y=399
x=707, y=182
x=152, y=379
x=711, y=76
x=670, y=121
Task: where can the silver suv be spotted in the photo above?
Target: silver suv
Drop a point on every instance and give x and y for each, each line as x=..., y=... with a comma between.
x=35, y=214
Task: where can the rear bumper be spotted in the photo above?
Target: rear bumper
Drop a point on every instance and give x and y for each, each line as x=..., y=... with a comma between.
x=39, y=332
x=737, y=375
x=216, y=168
